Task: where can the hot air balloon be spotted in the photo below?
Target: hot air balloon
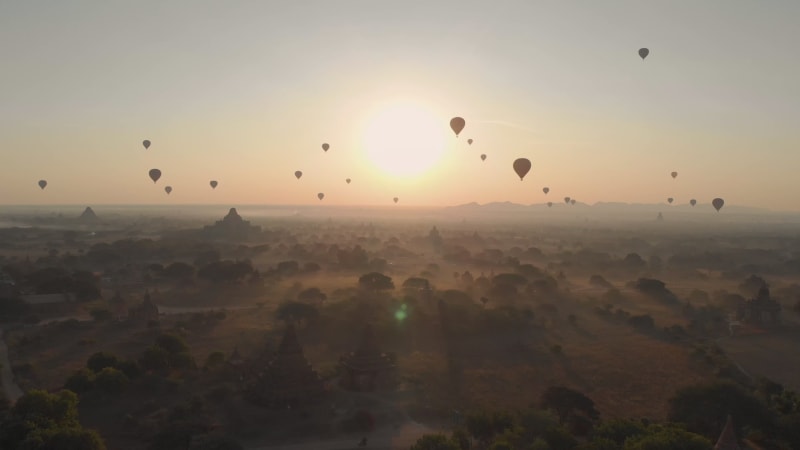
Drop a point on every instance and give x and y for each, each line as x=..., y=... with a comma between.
x=643, y=52
x=718, y=203
x=545, y=190
x=347, y=181
x=693, y=202
x=213, y=184
x=469, y=141
x=325, y=147
x=155, y=174
x=457, y=124
x=674, y=174
x=522, y=166
x=566, y=199
x=572, y=201
x=320, y=196
x=396, y=199
x=168, y=189
x=42, y=184
x=298, y=174
x=483, y=157
x=549, y=204
x=146, y=144
x=669, y=200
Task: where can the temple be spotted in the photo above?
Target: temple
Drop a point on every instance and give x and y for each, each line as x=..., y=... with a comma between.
x=727, y=439
x=88, y=215
x=367, y=368
x=760, y=311
x=232, y=226
x=145, y=311
x=288, y=380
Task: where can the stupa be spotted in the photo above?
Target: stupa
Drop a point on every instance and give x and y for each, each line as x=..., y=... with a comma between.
x=367, y=368
x=288, y=380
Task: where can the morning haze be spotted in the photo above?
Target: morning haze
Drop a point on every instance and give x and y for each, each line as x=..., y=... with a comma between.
x=413, y=225
x=246, y=93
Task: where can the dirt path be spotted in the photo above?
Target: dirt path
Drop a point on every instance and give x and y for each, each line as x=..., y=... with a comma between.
x=10, y=388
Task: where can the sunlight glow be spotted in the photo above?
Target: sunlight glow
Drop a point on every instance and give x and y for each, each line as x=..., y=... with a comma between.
x=405, y=139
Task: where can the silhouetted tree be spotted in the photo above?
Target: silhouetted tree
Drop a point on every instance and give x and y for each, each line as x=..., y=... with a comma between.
x=566, y=403
x=312, y=295
x=376, y=281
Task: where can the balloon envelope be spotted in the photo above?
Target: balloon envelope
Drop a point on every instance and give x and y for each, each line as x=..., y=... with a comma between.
x=457, y=124
x=325, y=146
x=483, y=157
x=396, y=199
x=469, y=141
x=155, y=174
x=168, y=189
x=572, y=202
x=549, y=204
x=146, y=144
x=545, y=190
x=669, y=200
x=42, y=184
x=693, y=202
x=674, y=174
x=320, y=196
x=718, y=203
x=566, y=199
x=213, y=184
x=347, y=181
x=643, y=52
x=298, y=174
x=522, y=166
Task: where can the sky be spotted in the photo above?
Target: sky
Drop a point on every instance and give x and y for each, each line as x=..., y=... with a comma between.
x=245, y=92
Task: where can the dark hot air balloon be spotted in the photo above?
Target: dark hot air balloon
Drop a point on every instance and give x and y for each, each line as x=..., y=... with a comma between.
x=457, y=124
x=483, y=157
x=213, y=184
x=566, y=199
x=545, y=190
x=347, y=181
x=549, y=204
x=146, y=144
x=469, y=141
x=669, y=200
x=643, y=52
x=298, y=174
x=155, y=174
x=168, y=189
x=42, y=184
x=320, y=196
x=572, y=201
x=522, y=166
x=718, y=203
x=674, y=174
x=325, y=147
x=693, y=202
x=396, y=199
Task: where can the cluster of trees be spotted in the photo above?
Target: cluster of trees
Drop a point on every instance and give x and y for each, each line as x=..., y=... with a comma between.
x=43, y=421
x=56, y=280
x=105, y=373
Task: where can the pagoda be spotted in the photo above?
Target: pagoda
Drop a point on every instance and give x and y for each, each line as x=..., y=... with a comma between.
x=367, y=368
x=288, y=379
x=727, y=439
x=232, y=226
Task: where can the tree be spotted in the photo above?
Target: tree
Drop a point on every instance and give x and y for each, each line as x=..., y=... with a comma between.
x=179, y=271
x=376, y=281
x=312, y=295
x=566, y=402
x=43, y=421
x=704, y=408
x=111, y=380
x=299, y=311
x=100, y=360
x=750, y=286
x=435, y=442
x=659, y=437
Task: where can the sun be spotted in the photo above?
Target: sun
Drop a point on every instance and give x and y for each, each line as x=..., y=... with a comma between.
x=404, y=139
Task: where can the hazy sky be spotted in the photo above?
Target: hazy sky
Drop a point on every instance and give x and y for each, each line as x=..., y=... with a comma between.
x=245, y=92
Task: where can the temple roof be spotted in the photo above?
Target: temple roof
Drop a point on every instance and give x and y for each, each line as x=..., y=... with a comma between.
x=88, y=214
x=727, y=439
x=367, y=346
x=289, y=344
